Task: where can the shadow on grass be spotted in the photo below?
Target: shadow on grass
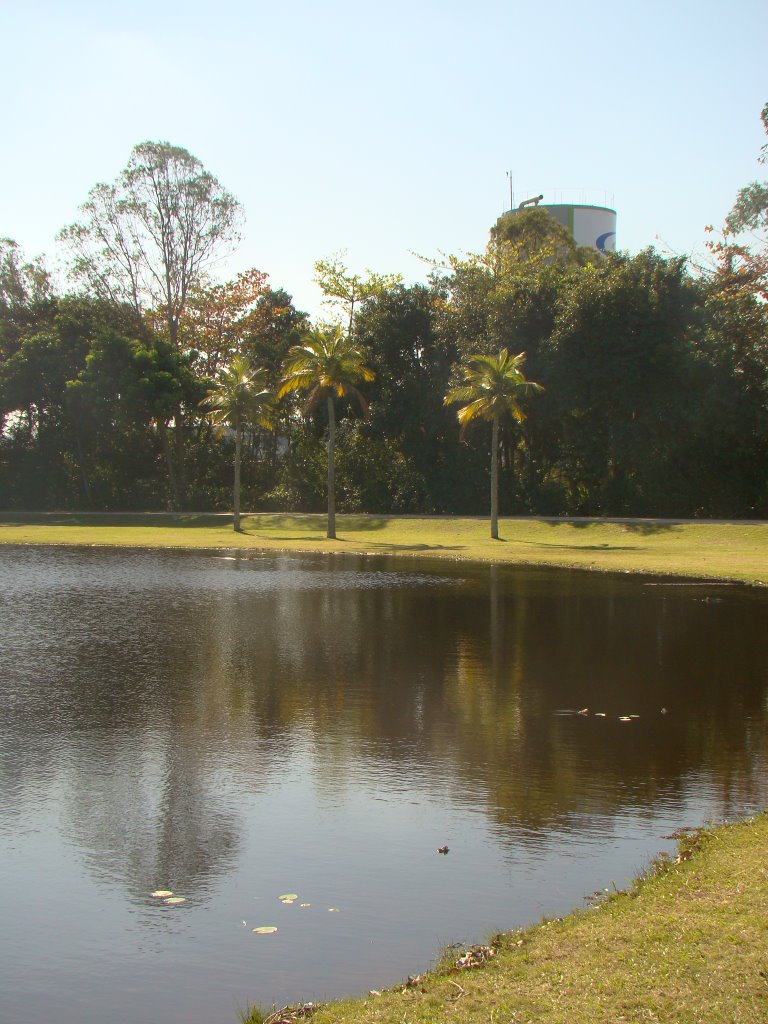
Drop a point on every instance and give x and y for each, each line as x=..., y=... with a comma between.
x=263, y=522
x=175, y=520
x=250, y=523
x=380, y=546
x=580, y=547
x=641, y=526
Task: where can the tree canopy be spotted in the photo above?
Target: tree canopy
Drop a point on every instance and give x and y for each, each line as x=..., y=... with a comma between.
x=146, y=238
x=655, y=371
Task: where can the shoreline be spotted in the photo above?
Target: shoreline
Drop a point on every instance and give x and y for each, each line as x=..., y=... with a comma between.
x=687, y=941
x=716, y=551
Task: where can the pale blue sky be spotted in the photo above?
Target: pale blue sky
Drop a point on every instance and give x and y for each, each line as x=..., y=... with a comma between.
x=385, y=129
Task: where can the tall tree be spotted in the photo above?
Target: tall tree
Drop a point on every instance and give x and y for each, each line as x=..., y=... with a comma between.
x=493, y=387
x=617, y=369
x=327, y=366
x=147, y=238
x=413, y=366
x=239, y=397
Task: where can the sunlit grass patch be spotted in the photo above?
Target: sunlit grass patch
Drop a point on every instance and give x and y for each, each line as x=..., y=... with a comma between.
x=735, y=551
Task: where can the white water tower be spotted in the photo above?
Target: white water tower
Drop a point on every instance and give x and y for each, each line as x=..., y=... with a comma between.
x=593, y=226
x=590, y=225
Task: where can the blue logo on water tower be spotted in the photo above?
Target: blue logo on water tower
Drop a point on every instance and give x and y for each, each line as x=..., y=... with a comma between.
x=601, y=240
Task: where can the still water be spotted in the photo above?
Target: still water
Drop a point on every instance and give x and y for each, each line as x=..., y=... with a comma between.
x=235, y=729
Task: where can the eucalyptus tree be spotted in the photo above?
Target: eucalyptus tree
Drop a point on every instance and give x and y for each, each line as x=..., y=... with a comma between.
x=239, y=397
x=492, y=387
x=326, y=365
x=147, y=238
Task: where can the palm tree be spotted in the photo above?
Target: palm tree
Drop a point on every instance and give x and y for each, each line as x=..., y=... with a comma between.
x=327, y=366
x=493, y=387
x=239, y=396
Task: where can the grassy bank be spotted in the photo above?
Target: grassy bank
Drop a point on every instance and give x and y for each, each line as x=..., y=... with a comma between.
x=688, y=944
x=737, y=551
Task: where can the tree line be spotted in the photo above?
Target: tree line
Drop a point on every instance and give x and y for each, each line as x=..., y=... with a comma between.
x=645, y=387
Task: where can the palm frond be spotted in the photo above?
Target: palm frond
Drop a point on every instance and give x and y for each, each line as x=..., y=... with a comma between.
x=325, y=363
x=240, y=395
x=492, y=385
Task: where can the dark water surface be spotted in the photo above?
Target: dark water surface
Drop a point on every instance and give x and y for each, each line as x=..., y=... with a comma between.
x=236, y=729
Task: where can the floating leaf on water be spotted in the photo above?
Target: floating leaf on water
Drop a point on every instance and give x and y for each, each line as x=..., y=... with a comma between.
x=624, y=718
x=288, y=898
x=634, y=716
x=162, y=893
x=305, y=904
x=599, y=714
x=333, y=910
x=176, y=899
x=266, y=929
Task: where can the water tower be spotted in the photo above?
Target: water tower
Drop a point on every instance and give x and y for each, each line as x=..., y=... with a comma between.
x=589, y=225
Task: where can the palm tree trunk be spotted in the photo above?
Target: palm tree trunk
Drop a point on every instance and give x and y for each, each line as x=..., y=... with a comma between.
x=331, y=531
x=495, y=479
x=236, y=493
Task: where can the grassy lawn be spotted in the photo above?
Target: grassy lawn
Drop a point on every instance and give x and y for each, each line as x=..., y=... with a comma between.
x=688, y=944
x=736, y=551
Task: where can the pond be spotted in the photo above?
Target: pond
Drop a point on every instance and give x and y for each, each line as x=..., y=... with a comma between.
x=233, y=729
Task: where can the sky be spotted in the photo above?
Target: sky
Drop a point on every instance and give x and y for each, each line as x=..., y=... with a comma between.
x=384, y=130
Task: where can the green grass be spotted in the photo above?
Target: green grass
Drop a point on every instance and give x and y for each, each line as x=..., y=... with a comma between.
x=735, y=551
x=687, y=944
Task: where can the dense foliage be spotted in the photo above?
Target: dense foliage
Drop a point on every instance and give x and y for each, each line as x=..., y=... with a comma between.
x=654, y=376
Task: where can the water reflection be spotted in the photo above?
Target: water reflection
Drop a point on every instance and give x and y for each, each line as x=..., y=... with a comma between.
x=214, y=726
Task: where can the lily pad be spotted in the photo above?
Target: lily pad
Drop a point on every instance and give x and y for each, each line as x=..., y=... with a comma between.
x=162, y=893
x=176, y=899
x=265, y=929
